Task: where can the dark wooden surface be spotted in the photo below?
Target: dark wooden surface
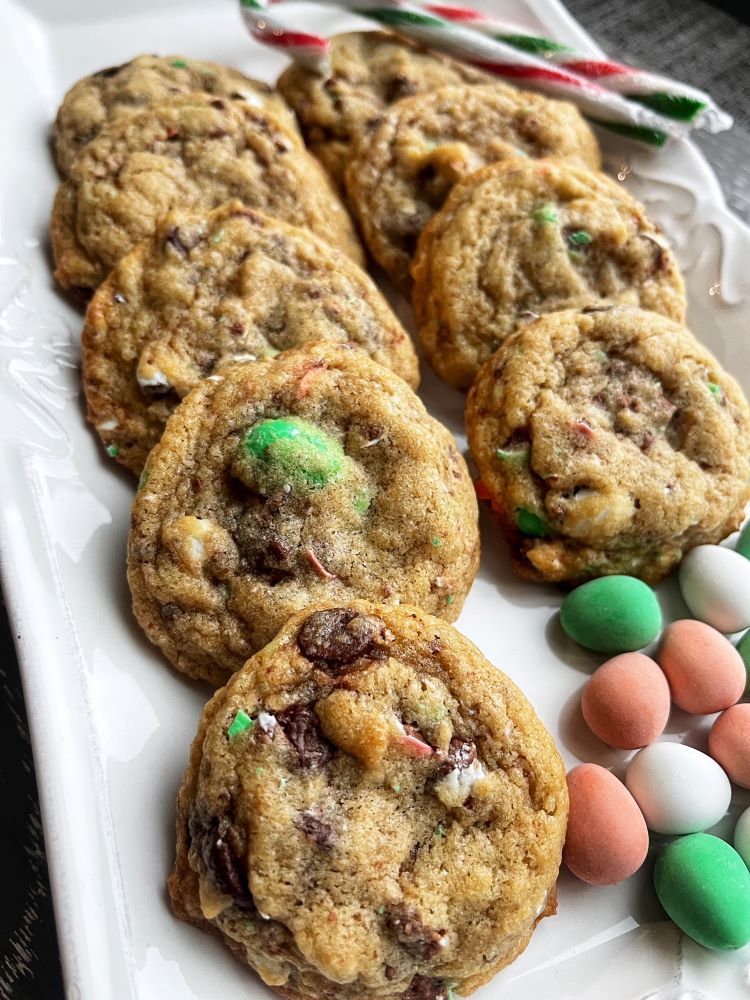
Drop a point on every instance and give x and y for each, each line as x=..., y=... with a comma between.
x=691, y=40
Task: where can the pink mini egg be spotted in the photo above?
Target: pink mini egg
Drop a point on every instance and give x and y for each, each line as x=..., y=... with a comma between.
x=607, y=838
x=626, y=702
x=729, y=743
x=705, y=672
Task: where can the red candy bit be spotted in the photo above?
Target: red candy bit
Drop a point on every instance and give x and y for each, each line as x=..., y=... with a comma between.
x=482, y=492
x=581, y=430
x=415, y=747
x=307, y=374
x=318, y=566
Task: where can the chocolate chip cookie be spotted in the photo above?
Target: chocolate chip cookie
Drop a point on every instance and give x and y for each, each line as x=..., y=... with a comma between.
x=228, y=285
x=370, y=70
x=609, y=441
x=371, y=811
x=315, y=476
x=526, y=237
x=96, y=100
x=194, y=152
x=402, y=174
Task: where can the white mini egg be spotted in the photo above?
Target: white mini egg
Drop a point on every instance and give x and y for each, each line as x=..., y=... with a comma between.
x=742, y=837
x=715, y=584
x=678, y=789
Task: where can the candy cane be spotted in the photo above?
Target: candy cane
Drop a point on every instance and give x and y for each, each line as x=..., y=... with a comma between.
x=268, y=28
x=601, y=105
x=660, y=93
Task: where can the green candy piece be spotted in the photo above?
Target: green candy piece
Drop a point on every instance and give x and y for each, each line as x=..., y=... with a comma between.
x=580, y=238
x=743, y=648
x=704, y=885
x=531, y=524
x=520, y=455
x=242, y=721
x=290, y=451
x=112, y=450
x=715, y=391
x=361, y=502
x=546, y=213
x=743, y=542
x=179, y=63
x=614, y=614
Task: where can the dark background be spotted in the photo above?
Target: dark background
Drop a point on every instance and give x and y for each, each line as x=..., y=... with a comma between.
x=705, y=44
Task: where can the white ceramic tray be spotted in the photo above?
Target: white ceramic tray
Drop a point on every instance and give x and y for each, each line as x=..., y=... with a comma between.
x=110, y=721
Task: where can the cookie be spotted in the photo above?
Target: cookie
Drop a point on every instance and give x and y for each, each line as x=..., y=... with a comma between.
x=609, y=441
x=526, y=237
x=370, y=70
x=195, y=153
x=315, y=476
x=96, y=100
x=371, y=811
x=228, y=285
x=404, y=171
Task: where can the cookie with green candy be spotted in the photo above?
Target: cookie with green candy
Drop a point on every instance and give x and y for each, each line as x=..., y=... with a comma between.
x=405, y=167
x=117, y=91
x=227, y=285
x=317, y=475
x=526, y=237
x=371, y=811
x=603, y=447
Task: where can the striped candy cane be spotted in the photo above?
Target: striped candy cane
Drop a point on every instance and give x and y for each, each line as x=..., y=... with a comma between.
x=601, y=105
x=268, y=28
x=660, y=93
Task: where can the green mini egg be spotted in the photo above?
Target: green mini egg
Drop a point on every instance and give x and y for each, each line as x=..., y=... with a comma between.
x=704, y=886
x=288, y=451
x=614, y=614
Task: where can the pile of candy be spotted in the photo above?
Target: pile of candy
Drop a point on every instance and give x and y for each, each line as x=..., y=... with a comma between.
x=671, y=789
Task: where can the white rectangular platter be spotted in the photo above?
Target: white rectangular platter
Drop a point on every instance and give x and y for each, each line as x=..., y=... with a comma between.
x=111, y=723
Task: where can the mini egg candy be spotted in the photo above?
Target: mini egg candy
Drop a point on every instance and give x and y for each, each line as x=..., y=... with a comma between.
x=678, y=789
x=743, y=542
x=614, y=614
x=626, y=701
x=607, y=839
x=729, y=743
x=705, y=672
x=715, y=585
x=742, y=837
x=704, y=886
x=288, y=452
